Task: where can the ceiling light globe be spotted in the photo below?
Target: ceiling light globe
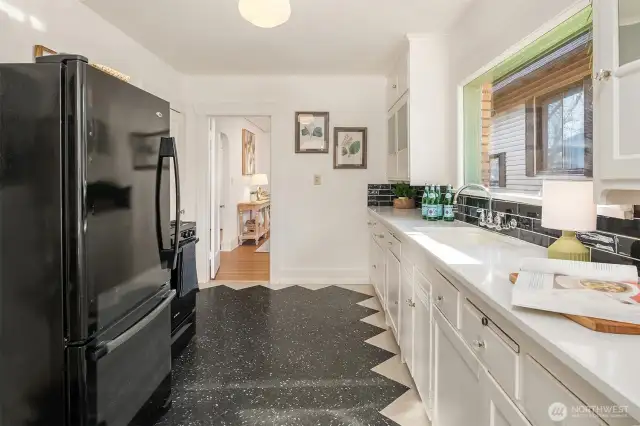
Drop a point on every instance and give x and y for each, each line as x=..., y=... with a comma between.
x=265, y=13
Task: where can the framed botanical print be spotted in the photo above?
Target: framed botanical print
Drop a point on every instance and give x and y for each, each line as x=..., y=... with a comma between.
x=312, y=132
x=350, y=148
x=248, y=153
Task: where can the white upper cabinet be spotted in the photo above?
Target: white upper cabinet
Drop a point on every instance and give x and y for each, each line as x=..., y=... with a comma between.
x=417, y=101
x=616, y=95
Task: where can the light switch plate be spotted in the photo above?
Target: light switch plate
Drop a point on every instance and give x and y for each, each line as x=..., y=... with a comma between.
x=317, y=180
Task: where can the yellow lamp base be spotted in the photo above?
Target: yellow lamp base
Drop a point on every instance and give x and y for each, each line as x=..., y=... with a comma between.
x=568, y=247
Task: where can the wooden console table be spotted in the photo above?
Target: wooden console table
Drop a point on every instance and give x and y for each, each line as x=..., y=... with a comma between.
x=257, y=210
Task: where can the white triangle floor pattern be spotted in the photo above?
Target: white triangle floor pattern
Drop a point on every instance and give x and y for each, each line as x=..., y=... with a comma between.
x=407, y=410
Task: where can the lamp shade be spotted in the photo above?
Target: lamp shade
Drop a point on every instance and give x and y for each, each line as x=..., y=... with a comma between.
x=259, y=179
x=265, y=13
x=568, y=205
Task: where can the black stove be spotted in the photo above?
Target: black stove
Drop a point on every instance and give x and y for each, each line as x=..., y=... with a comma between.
x=187, y=231
x=183, y=306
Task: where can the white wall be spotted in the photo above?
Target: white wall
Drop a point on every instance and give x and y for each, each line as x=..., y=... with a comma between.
x=238, y=185
x=70, y=26
x=485, y=30
x=319, y=233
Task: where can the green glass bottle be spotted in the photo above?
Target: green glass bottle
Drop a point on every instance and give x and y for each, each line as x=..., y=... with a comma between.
x=439, y=202
x=448, y=205
x=432, y=206
x=425, y=201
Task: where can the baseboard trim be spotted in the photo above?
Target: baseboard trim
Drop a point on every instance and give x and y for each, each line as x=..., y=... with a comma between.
x=321, y=276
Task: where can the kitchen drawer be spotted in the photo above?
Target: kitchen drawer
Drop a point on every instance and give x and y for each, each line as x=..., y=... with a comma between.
x=498, y=351
x=541, y=390
x=446, y=297
x=379, y=233
x=471, y=326
x=500, y=359
x=393, y=243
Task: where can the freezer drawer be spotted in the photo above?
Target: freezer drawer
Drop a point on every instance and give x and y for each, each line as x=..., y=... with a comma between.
x=111, y=380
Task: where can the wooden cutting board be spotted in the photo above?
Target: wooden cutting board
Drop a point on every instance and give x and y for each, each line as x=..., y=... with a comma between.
x=597, y=324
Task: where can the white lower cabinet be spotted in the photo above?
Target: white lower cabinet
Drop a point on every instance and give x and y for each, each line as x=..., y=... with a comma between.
x=498, y=409
x=406, y=325
x=458, y=392
x=377, y=268
x=422, y=342
x=393, y=289
x=467, y=370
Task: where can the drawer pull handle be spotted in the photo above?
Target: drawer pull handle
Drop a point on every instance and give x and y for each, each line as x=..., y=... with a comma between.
x=485, y=321
x=379, y=235
x=478, y=344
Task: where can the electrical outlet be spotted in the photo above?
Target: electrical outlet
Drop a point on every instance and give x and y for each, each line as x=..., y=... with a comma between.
x=317, y=180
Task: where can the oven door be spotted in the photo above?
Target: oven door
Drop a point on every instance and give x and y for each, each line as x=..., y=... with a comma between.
x=116, y=377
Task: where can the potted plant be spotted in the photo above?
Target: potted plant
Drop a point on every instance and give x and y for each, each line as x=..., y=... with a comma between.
x=404, y=196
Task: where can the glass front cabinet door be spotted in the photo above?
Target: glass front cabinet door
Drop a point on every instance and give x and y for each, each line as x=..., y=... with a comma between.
x=616, y=98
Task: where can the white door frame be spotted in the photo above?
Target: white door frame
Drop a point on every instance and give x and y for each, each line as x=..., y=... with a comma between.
x=214, y=221
x=211, y=113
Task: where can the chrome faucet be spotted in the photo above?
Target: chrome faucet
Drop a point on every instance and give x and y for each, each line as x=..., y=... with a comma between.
x=477, y=186
x=487, y=218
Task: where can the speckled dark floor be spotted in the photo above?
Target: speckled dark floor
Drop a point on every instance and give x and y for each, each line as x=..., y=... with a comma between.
x=281, y=357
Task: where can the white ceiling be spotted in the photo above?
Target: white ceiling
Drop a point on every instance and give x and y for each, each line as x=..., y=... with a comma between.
x=322, y=36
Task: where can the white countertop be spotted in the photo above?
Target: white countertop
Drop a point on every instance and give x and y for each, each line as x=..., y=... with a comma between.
x=606, y=361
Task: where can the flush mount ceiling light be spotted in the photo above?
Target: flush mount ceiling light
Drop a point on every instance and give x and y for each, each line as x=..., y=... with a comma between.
x=265, y=13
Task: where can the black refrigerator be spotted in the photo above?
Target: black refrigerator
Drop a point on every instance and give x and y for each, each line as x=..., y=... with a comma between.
x=85, y=253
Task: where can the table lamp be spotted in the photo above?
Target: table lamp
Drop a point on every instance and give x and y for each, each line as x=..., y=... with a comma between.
x=258, y=180
x=569, y=207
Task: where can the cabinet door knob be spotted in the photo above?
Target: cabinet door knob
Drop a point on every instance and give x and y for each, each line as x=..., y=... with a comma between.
x=395, y=86
x=478, y=344
x=603, y=75
x=395, y=302
x=375, y=266
x=390, y=243
x=440, y=299
x=410, y=303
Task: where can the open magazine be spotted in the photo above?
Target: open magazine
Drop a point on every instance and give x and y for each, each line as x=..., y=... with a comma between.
x=597, y=290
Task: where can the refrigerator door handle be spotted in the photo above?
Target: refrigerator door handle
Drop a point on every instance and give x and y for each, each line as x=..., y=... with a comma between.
x=168, y=150
x=110, y=346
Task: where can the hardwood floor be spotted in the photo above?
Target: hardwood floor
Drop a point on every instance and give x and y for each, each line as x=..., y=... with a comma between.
x=244, y=264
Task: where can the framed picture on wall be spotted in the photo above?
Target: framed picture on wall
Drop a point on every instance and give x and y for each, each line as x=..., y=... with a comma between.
x=350, y=148
x=312, y=132
x=248, y=153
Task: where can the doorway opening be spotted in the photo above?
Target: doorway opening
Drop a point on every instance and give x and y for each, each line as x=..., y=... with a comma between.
x=240, y=201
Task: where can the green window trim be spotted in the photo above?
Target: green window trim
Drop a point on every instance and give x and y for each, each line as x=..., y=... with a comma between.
x=472, y=92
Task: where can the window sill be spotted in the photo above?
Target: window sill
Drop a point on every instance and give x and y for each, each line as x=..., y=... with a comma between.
x=620, y=212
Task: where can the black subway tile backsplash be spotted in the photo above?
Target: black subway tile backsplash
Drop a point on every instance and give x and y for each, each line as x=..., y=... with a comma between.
x=505, y=206
x=534, y=238
x=524, y=222
x=615, y=241
x=599, y=240
x=528, y=210
x=537, y=227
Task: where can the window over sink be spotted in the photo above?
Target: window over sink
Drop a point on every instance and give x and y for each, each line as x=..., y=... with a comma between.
x=530, y=117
